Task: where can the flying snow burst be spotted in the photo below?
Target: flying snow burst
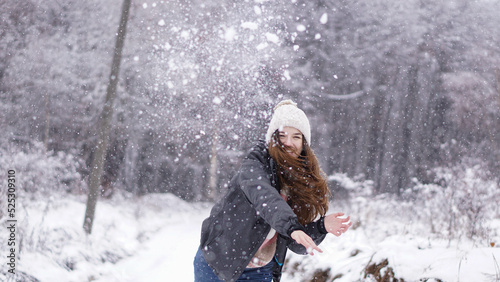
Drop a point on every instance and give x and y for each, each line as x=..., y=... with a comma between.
x=324, y=18
x=262, y=46
x=257, y=10
x=271, y=37
x=286, y=74
x=230, y=34
x=217, y=101
x=250, y=25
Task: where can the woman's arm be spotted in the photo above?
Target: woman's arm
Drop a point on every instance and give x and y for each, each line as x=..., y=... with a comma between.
x=254, y=180
x=316, y=231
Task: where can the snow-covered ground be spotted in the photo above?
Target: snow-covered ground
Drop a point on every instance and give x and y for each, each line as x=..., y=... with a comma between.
x=155, y=237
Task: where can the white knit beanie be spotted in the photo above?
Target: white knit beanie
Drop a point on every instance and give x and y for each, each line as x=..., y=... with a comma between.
x=286, y=113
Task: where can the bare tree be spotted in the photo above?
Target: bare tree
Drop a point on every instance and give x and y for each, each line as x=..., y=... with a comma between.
x=105, y=122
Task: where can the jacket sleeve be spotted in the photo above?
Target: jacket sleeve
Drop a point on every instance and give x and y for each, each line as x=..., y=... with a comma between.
x=316, y=230
x=255, y=182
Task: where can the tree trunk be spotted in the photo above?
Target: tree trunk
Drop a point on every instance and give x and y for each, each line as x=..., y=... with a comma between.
x=495, y=142
x=212, y=183
x=105, y=123
x=129, y=177
x=403, y=161
x=378, y=178
x=498, y=85
x=374, y=136
x=47, y=123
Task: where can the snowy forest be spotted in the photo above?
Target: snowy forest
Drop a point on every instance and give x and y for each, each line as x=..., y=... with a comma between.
x=403, y=99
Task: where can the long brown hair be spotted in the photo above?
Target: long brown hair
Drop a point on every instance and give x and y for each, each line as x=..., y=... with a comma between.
x=308, y=191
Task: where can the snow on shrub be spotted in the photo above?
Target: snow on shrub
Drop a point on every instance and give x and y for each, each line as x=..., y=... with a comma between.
x=37, y=171
x=354, y=187
x=459, y=209
x=463, y=204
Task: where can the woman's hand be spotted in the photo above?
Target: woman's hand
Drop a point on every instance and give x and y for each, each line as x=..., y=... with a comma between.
x=302, y=238
x=336, y=225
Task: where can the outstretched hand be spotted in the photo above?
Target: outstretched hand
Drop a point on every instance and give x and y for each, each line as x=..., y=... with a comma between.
x=335, y=225
x=302, y=238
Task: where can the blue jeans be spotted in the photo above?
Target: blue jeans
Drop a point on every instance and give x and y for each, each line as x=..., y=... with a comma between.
x=204, y=273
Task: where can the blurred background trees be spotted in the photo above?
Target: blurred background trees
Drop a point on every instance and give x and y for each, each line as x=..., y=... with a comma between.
x=393, y=90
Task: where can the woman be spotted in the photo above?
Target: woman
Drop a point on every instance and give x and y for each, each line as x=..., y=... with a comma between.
x=277, y=201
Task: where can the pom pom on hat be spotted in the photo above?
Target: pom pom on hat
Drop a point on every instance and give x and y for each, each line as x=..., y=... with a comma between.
x=286, y=113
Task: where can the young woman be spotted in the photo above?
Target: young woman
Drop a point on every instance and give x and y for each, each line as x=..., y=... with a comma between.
x=277, y=201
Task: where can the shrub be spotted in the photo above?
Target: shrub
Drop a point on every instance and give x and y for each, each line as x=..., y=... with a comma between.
x=463, y=202
x=38, y=172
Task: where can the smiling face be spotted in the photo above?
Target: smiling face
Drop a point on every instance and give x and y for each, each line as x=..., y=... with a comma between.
x=292, y=139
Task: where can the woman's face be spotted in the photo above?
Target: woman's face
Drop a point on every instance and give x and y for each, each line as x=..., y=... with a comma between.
x=292, y=139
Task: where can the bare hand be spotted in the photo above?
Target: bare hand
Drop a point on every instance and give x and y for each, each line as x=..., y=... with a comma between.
x=335, y=225
x=302, y=238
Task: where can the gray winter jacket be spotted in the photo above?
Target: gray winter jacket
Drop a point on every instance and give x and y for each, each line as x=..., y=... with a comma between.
x=239, y=223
